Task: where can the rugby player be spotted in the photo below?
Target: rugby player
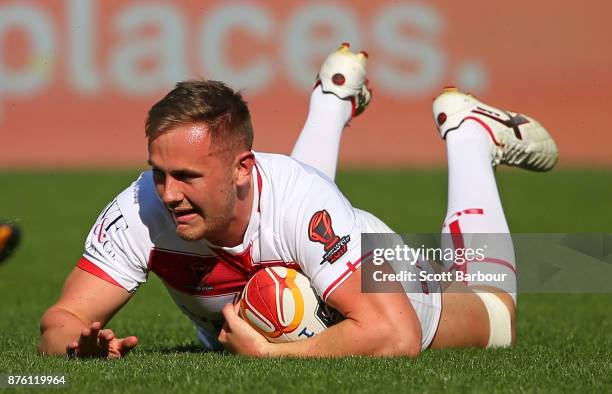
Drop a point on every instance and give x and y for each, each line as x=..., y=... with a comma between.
x=211, y=212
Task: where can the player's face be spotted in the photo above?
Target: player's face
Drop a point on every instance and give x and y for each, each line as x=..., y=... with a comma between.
x=194, y=180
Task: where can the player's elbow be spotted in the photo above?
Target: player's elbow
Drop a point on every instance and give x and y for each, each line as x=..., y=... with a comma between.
x=393, y=329
x=52, y=318
x=395, y=340
x=402, y=345
x=47, y=323
x=58, y=326
x=403, y=334
x=409, y=347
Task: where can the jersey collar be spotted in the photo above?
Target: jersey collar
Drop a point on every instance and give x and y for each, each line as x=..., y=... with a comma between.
x=252, y=231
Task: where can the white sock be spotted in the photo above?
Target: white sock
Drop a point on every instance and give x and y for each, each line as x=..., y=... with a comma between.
x=474, y=207
x=319, y=141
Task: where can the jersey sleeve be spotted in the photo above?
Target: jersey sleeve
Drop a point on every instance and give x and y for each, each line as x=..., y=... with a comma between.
x=113, y=249
x=327, y=238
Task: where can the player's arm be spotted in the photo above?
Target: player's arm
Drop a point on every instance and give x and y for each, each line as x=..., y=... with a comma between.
x=113, y=266
x=377, y=324
x=73, y=325
x=319, y=220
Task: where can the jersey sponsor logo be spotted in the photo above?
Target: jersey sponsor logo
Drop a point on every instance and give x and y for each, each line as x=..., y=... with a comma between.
x=100, y=232
x=320, y=230
x=111, y=221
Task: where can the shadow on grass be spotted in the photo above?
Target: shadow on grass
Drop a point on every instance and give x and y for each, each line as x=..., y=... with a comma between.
x=182, y=348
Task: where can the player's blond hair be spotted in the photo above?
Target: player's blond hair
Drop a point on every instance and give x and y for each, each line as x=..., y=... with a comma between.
x=223, y=111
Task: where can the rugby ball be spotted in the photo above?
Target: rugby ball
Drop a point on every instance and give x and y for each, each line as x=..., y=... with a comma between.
x=281, y=305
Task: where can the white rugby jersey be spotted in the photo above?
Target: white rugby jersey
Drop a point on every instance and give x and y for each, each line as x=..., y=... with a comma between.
x=299, y=220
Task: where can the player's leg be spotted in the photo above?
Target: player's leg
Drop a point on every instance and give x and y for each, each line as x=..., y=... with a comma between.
x=475, y=218
x=319, y=142
x=473, y=207
x=478, y=136
x=340, y=93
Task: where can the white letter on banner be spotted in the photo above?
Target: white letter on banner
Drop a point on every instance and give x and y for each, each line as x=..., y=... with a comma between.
x=166, y=48
x=35, y=75
x=215, y=29
x=424, y=52
x=303, y=52
x=83, y=43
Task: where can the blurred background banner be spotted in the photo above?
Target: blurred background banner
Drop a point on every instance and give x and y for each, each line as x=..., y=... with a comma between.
x=78, y=76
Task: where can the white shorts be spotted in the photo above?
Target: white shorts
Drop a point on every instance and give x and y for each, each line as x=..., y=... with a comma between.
x=428, y=307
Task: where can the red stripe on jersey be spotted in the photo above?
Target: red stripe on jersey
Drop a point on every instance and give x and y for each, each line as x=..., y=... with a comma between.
x=259, y=185
x=349, y=271
x=198, y=275
x=93, y=269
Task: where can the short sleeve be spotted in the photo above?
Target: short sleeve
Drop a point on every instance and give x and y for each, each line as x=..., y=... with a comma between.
x=112, y=250
x=327, y=237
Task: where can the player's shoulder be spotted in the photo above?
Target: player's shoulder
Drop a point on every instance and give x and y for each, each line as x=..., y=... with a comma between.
x=279, y=163
x=140, y=196
x=141, y=207
x=296, y=191
x=288, y=176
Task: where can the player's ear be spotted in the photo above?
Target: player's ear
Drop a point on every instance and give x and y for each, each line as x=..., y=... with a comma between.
x=245, y=161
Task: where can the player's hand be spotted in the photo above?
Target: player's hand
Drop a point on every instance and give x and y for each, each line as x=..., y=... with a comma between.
x=99, y=343
x=237, y=336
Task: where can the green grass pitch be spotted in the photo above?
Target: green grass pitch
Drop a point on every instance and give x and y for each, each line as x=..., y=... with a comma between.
x=564, y=341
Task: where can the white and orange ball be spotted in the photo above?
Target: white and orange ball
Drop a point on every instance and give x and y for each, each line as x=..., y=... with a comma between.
x=280, y=304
